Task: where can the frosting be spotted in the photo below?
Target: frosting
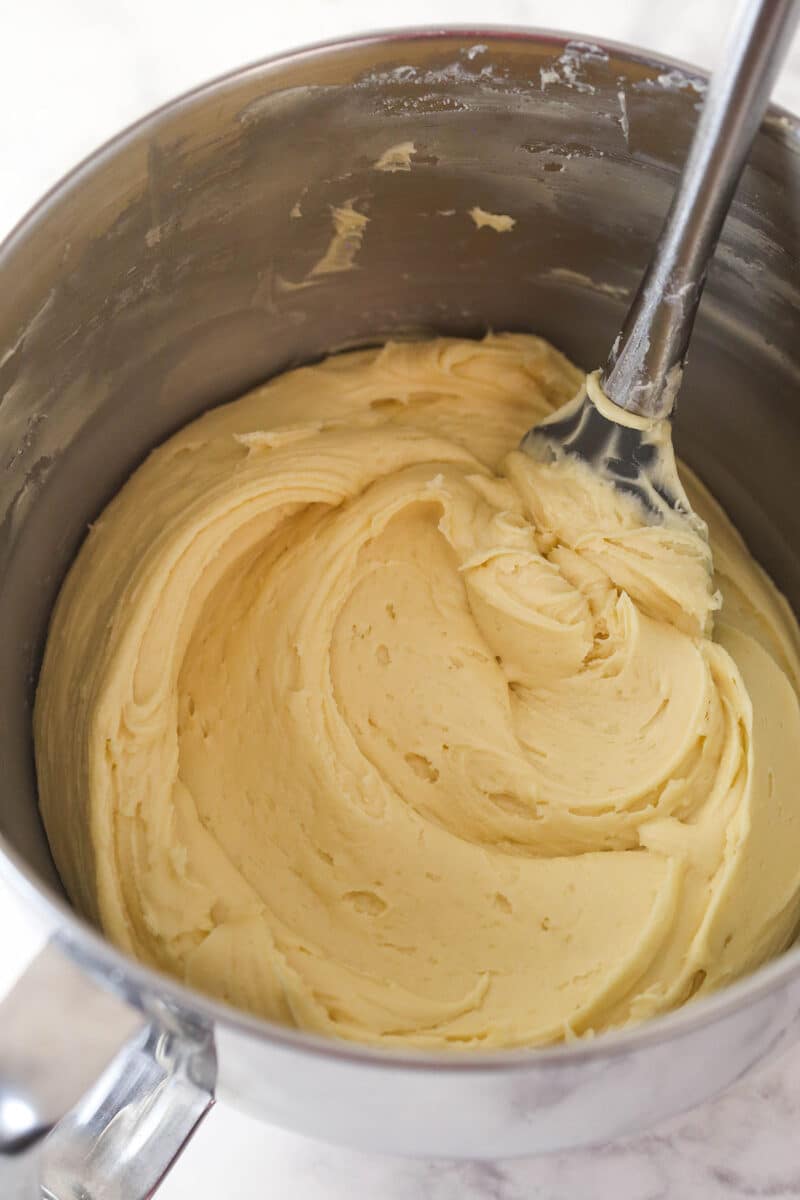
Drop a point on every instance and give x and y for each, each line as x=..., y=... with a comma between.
x=499, y=222
x=356, y=716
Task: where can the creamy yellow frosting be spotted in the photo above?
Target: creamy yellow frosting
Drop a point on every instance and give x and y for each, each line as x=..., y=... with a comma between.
x=357, y=717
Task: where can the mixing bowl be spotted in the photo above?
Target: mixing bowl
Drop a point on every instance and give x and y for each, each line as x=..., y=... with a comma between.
x=172, y=271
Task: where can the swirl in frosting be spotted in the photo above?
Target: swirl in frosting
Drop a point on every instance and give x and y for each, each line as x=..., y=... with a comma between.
x=355, y=716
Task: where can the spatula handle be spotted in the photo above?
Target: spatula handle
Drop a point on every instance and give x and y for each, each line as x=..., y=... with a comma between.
x=644, y=368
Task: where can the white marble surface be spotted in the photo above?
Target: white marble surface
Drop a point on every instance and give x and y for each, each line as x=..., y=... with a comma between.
x=744, y=1145
x=73, y=72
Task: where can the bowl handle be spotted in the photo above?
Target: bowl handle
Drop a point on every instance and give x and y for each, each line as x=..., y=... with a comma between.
x=97, y=1099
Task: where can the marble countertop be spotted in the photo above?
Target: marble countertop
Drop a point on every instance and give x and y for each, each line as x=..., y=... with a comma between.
x=73, y=73
x=741, y=1146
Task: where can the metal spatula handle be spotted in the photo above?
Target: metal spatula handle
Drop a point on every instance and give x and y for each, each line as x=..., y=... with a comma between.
x=644, y=369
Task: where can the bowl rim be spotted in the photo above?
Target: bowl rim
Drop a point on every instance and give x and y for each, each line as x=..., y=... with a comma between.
x=133, y=980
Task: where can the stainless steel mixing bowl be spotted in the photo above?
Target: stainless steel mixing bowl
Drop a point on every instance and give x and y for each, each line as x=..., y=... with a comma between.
x=169, y=273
